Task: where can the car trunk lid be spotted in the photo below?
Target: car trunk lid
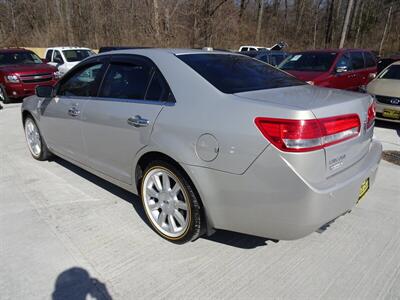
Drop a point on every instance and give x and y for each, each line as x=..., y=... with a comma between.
x=326, y=103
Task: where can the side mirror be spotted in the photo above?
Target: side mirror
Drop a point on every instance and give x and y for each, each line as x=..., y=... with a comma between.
x=45, y=61
x=44, y=91
x=341, y=69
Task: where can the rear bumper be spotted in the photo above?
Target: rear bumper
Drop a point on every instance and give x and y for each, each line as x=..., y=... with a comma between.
x=22, y=90
x=271, y=200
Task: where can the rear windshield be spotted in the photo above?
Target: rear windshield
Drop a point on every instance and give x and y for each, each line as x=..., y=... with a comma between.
x=309, y=61
x=236, y=73
x=392, y=72
x=19, y=58
x=76, y=55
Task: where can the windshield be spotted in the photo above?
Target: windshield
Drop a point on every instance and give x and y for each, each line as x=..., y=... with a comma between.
x=237, y=73
x=19, y=58
x=392, y=72
x=309, y=61
x=77, y=55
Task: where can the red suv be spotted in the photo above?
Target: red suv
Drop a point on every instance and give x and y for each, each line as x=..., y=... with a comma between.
x=21, y=71
x=349, y=69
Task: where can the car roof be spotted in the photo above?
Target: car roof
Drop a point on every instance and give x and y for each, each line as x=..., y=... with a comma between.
x=333, y=50
x=178, y=51
x=5, y=50
x=67, y=48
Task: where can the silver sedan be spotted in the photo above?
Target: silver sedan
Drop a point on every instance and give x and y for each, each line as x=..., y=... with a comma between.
x=210, y=140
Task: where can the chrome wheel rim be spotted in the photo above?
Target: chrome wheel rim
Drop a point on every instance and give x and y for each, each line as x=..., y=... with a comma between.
x=166, y=202
x=33, y=138
x=1, y=94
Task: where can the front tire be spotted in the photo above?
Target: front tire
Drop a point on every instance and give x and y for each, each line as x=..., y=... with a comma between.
x=170, y=202
x=3, y=95
x=35, y=142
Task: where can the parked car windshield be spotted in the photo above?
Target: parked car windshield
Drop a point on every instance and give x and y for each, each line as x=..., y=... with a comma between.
x=392, y=72
x=77, y=55
x=19, y=58
x=309, y=61
x=237, y=73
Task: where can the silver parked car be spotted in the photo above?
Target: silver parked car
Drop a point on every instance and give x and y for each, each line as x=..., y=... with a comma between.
x=210, y=140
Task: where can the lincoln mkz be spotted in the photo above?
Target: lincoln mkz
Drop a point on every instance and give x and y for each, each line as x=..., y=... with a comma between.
x=210, y=140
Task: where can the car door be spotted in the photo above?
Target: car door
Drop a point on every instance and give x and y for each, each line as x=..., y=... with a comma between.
x=61, y=115
x=343, y=76
x=357, y=62
x=49, y=56
x=119, y=121
x=370, y=70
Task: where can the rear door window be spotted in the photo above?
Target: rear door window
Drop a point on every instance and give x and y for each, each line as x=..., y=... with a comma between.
x=158, y=89
x=357, y=60
x=237, y=73
x=49, y=54
x=126, y=81
x=369, y=60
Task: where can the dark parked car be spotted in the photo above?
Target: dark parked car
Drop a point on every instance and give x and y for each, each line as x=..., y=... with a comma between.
x=21, y=71
x=273, y=58
x=112, y=48
x=349, y=69
x=387, y=61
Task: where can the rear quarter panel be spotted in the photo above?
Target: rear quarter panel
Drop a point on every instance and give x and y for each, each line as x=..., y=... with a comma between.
x=202, y=109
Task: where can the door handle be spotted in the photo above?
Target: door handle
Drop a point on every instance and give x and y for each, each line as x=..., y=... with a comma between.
x=138, y=121
x=73, y=111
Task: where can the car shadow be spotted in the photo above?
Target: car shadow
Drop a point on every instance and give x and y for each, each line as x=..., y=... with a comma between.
x=239, y=240
x=234, y=239
x=388, y=125
x=106, y=185
x=76, y=284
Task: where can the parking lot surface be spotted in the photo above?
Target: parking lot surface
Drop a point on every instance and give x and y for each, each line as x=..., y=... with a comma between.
x=66, y=233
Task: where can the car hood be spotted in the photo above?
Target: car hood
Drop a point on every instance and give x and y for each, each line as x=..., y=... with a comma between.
x=384, y=87
x=305, y=76
x=28, y=69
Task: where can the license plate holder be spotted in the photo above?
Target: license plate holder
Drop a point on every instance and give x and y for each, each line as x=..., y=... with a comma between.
x=391, y=114
x=363, y=189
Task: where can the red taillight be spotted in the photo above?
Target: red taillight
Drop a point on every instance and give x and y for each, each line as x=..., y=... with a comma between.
x=371, y=114
x=308, y=135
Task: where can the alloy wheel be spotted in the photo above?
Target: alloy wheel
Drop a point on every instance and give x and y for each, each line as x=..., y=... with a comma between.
x=166, y=202
x=33, y=137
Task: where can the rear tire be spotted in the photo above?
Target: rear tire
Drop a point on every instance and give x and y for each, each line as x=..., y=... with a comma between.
x=36, y=143
x=170, y=203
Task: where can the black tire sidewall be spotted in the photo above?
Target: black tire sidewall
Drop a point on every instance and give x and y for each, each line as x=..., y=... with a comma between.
x=194, y=228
